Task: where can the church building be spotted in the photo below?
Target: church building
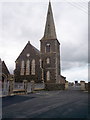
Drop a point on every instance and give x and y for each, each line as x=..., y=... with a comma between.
x=28, y=65
x=43, y=65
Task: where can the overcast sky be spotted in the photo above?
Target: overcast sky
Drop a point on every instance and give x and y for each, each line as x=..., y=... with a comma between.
x=25, y=21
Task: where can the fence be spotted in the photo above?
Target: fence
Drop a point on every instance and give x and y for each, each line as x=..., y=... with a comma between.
x=18, y=86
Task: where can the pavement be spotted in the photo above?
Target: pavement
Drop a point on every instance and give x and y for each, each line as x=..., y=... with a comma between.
x=47, y=104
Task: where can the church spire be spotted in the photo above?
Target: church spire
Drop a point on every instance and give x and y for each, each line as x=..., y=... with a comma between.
x=50, y=32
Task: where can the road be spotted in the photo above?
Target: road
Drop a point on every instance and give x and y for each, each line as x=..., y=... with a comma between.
x=47, y=104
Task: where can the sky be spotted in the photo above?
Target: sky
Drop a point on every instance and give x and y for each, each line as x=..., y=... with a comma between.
x=23, y=21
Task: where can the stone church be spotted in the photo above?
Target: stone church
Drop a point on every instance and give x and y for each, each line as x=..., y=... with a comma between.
x=43, y=65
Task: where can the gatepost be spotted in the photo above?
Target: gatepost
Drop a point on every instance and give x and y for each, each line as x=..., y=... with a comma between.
x=25, y=85
x=11, y=84
x=66, y=85
x=32, y=86
x=82, y=85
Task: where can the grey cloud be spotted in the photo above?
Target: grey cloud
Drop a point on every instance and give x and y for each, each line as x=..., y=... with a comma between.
x=26, y=21
x=70, y=52
x=66, y=65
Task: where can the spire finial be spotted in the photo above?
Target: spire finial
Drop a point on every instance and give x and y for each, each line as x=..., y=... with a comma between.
x=28, y=42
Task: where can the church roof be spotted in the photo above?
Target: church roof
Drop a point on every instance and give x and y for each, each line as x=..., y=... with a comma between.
x=27, y=49
x=36, y=49
x=50, y=32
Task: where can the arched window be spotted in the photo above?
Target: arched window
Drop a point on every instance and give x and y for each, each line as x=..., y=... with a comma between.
x=48, y=75
x=22, y=67
x=48, y=48
x=48, y=60
x=33, y=67
x=28, y=67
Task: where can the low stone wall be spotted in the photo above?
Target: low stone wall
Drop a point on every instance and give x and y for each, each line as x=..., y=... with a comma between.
x=89, y=87
x=86, y=86
x=54, y=86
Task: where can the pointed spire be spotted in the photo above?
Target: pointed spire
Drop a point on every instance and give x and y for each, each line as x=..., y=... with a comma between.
x=50, y=32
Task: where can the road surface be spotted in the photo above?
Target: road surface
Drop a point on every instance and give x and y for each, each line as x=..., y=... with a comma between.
x=47, y=104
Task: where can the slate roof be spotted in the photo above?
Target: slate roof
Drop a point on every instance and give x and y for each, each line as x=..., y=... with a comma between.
x=28, y=47
x=5, y=69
